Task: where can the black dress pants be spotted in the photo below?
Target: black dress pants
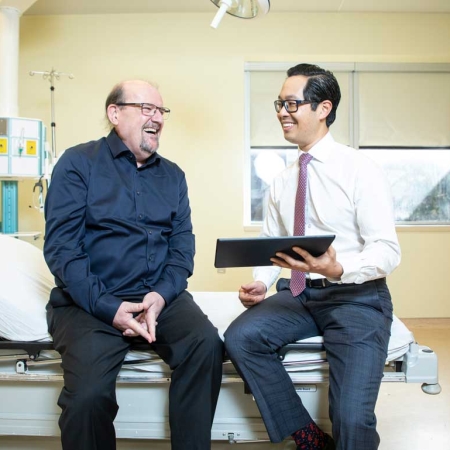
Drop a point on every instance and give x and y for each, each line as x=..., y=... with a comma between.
x=93, y=352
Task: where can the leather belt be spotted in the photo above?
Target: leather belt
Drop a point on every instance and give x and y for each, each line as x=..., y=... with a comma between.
x=319, y=283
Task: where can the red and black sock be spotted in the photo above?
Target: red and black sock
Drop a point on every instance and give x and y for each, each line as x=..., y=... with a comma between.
x=310, y=437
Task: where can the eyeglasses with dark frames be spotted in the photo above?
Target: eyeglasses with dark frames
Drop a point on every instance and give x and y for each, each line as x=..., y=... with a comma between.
x=148, y=109
x=291, y=106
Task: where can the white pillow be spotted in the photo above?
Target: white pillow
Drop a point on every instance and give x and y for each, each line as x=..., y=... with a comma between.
x=25, y=285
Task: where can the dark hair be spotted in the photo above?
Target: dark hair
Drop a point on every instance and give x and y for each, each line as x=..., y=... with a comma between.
x=321, y=85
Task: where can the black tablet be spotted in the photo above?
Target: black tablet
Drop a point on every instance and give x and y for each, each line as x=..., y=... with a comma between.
x=248, y=252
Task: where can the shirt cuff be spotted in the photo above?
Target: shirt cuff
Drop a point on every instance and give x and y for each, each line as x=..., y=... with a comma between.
x=106, y=308
x=355, y=272
x=165, y=290
x=267, y=275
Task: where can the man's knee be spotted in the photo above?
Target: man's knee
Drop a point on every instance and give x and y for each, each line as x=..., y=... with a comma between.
x=241, y=337
x=208, y=343
x=211, y=341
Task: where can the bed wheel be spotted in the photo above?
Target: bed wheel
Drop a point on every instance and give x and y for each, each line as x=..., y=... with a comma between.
x=432, y=389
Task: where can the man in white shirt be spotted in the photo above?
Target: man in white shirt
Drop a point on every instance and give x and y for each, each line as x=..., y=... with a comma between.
x=344, y=296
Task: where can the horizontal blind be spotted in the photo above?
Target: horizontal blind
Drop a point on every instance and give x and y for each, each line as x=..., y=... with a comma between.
x=404, y=109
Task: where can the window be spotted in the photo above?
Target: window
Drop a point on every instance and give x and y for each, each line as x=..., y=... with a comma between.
x=420, y=183
x=399, y=114
x=265, y=164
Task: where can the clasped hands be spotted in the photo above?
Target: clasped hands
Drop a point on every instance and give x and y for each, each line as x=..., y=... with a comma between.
x=144, y=323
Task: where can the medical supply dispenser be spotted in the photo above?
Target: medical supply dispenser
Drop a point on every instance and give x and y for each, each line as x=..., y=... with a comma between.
x=22, y=155
x=21, y=147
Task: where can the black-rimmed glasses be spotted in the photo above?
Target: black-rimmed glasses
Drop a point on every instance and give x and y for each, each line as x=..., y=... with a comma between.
x=148, y=109
x=291, y=106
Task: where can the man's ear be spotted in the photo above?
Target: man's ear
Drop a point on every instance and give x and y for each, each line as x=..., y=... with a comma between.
x=112, y=113
x=325, y=108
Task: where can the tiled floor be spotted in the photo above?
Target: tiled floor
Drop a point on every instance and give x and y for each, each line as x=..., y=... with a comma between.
x=408, y=419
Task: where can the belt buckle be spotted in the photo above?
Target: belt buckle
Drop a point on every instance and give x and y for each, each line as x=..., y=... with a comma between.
x=317, y=283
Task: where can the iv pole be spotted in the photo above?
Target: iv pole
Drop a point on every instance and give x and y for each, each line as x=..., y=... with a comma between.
x=52, y=76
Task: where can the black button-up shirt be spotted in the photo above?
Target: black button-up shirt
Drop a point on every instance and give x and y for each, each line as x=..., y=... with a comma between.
x=115, y=231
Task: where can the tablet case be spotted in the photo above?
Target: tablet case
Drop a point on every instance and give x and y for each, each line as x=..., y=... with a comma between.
x=249, y=252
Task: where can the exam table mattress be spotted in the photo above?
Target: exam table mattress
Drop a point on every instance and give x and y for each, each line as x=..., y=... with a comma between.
x=221, y=308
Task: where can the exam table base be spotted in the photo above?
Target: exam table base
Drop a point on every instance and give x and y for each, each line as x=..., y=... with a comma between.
x=29, y=398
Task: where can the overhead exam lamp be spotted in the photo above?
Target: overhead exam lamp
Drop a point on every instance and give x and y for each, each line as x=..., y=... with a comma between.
x=244, y=9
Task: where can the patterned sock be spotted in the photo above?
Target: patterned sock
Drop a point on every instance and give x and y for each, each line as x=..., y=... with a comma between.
x=310, y=437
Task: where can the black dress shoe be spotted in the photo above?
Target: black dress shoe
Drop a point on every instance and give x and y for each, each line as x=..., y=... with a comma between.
x=330, y=445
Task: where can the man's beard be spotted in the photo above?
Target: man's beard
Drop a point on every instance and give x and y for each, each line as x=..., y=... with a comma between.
x=145, y=147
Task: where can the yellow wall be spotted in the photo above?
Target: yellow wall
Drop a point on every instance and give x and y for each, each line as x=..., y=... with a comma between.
x=200, y=72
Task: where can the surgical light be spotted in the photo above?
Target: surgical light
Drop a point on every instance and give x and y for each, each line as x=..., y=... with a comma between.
x=244, y=9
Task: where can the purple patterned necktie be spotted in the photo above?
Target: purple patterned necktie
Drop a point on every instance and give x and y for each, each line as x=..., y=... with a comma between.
x=297, y=284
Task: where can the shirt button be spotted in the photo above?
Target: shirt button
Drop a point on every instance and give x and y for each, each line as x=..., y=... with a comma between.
x=149, y=231
x=138, y=193
x=140, y=216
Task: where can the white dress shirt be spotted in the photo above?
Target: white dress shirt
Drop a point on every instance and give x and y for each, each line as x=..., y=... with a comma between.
x=347, y=195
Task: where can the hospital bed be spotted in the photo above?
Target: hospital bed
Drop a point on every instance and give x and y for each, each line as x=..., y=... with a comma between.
x=31, y=377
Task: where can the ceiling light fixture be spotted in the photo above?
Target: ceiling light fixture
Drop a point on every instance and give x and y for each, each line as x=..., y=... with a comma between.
x=244, y=9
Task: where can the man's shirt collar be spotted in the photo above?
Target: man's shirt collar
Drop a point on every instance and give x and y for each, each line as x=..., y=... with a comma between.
x=118, y=147
x=321, y=150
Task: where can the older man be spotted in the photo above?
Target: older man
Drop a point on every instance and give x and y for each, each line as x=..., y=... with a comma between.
x=119, y=242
